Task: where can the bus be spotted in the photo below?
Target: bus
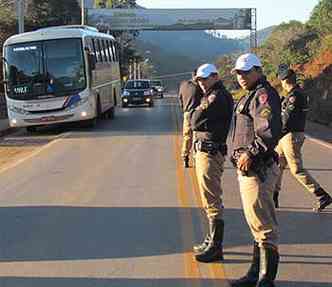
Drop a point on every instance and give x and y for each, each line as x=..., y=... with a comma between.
x=61, y=74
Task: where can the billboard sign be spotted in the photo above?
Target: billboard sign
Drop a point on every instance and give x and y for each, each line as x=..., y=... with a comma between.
x=170, y=19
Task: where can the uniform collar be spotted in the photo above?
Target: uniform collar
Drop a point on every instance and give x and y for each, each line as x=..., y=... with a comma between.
x=261, y=82
x=216, y=86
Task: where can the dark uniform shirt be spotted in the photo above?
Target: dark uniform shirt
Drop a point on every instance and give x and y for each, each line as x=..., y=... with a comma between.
x=257, y=121
x=213, y=122
x=293, y=111
x=189, y=95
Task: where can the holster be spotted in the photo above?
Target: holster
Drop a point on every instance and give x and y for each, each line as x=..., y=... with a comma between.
x=259, y=166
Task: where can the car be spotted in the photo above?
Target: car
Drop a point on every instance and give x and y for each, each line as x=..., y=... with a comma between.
x=158, y=88
x=137, y=92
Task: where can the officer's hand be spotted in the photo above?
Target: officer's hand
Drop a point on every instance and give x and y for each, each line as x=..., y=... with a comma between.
x=244, y=162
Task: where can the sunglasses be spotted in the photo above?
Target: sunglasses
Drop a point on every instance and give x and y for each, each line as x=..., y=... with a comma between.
x=243, y=73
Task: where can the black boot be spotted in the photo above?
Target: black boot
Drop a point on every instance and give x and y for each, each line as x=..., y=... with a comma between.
x=186, y=161
x=201, y=247
x=268, y=269
x=251, y=278
x=323, y=200
x=276, y=199
x=214, y=250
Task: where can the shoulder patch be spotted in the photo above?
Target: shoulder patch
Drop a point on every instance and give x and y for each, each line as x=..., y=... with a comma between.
x=265, y=113
x=292, y=99
x=211, y=98
x=291, y=107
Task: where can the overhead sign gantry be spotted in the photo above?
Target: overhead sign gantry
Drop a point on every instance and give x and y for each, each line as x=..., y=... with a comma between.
x=172, y=19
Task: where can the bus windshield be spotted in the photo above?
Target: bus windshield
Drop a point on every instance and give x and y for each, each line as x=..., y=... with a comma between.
x=38, y=69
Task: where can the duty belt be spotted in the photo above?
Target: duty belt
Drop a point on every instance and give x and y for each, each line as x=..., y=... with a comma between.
x=210, y=147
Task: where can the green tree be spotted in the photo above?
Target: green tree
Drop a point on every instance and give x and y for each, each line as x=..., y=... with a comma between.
x=321, y=17
x=43, y=13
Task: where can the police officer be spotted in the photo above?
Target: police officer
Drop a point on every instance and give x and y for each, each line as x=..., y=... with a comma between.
x=255, y=133
x=210, y=122
x=189, y=96
x=294, y=108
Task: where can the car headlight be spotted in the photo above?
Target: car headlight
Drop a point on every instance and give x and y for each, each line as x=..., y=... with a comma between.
x=160, y=89
x=125, y=93
x=125, y=100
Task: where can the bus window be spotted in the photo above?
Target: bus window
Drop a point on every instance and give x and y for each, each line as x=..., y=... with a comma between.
x=100, y=51
x=114, y=52
x=95, y=51
x=110, y=50
x=107, y=51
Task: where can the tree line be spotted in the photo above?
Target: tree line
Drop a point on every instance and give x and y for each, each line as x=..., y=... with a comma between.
x=307, y=48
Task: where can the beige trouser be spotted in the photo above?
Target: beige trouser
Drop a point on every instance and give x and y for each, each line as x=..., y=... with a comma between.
x=258, y=206
x=289, y=151
x=187, y=140
x=209, y=169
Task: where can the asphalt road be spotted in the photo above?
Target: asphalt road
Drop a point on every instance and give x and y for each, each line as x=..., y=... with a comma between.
x=112, y=206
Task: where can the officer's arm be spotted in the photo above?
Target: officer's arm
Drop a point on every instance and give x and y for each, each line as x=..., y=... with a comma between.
x=216, y=110
x=199, y=119
x=266, y=112
x=195, y=98
x=292, y=106
x=181, y=98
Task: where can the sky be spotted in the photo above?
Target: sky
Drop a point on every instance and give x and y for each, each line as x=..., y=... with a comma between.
x=268, y=12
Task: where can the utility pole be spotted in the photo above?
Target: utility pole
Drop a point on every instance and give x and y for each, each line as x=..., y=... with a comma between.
x=135, y=69
x=20, y=15
x=130, y=70
x=82, y=12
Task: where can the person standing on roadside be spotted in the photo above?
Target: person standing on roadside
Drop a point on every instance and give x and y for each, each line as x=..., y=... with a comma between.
x=211, y=121
x=189, y=96
x=289, y=149
x=255, y=133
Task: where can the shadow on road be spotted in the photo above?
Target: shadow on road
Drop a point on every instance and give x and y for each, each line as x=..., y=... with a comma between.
x=73, y=233
x=125, y=282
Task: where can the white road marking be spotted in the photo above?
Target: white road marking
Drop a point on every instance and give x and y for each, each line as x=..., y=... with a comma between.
x=320, y=142
x=39, y=150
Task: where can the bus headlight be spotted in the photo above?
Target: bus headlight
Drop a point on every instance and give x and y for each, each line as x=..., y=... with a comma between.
x=17, y=110
x=84, y=114
x=78, y=103
x=13, y=122
x=125, y=100
x=148, y=100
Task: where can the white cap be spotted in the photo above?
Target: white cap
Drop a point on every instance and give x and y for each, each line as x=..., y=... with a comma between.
x=204, y=71
x=246, y=62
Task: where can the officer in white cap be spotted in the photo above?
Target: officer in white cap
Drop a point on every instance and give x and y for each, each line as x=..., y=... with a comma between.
x=211, y=121
x=255, y=134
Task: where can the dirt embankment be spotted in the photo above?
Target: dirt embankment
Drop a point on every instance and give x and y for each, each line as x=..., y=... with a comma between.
x=318, y=85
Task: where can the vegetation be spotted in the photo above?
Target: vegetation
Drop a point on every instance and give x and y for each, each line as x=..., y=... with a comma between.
x=307, y=48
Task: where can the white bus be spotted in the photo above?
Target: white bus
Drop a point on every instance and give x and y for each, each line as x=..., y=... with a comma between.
x=60, y=74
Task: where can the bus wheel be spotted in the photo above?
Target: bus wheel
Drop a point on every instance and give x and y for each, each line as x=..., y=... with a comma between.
x=99, y=113
x=31, y=129
x=89, y=124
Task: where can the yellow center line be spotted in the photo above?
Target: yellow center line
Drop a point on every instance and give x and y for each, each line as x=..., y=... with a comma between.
x=191, y=266
x=216, y=270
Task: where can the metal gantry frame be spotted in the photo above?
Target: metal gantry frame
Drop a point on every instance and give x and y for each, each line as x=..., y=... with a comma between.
x=253, y=29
